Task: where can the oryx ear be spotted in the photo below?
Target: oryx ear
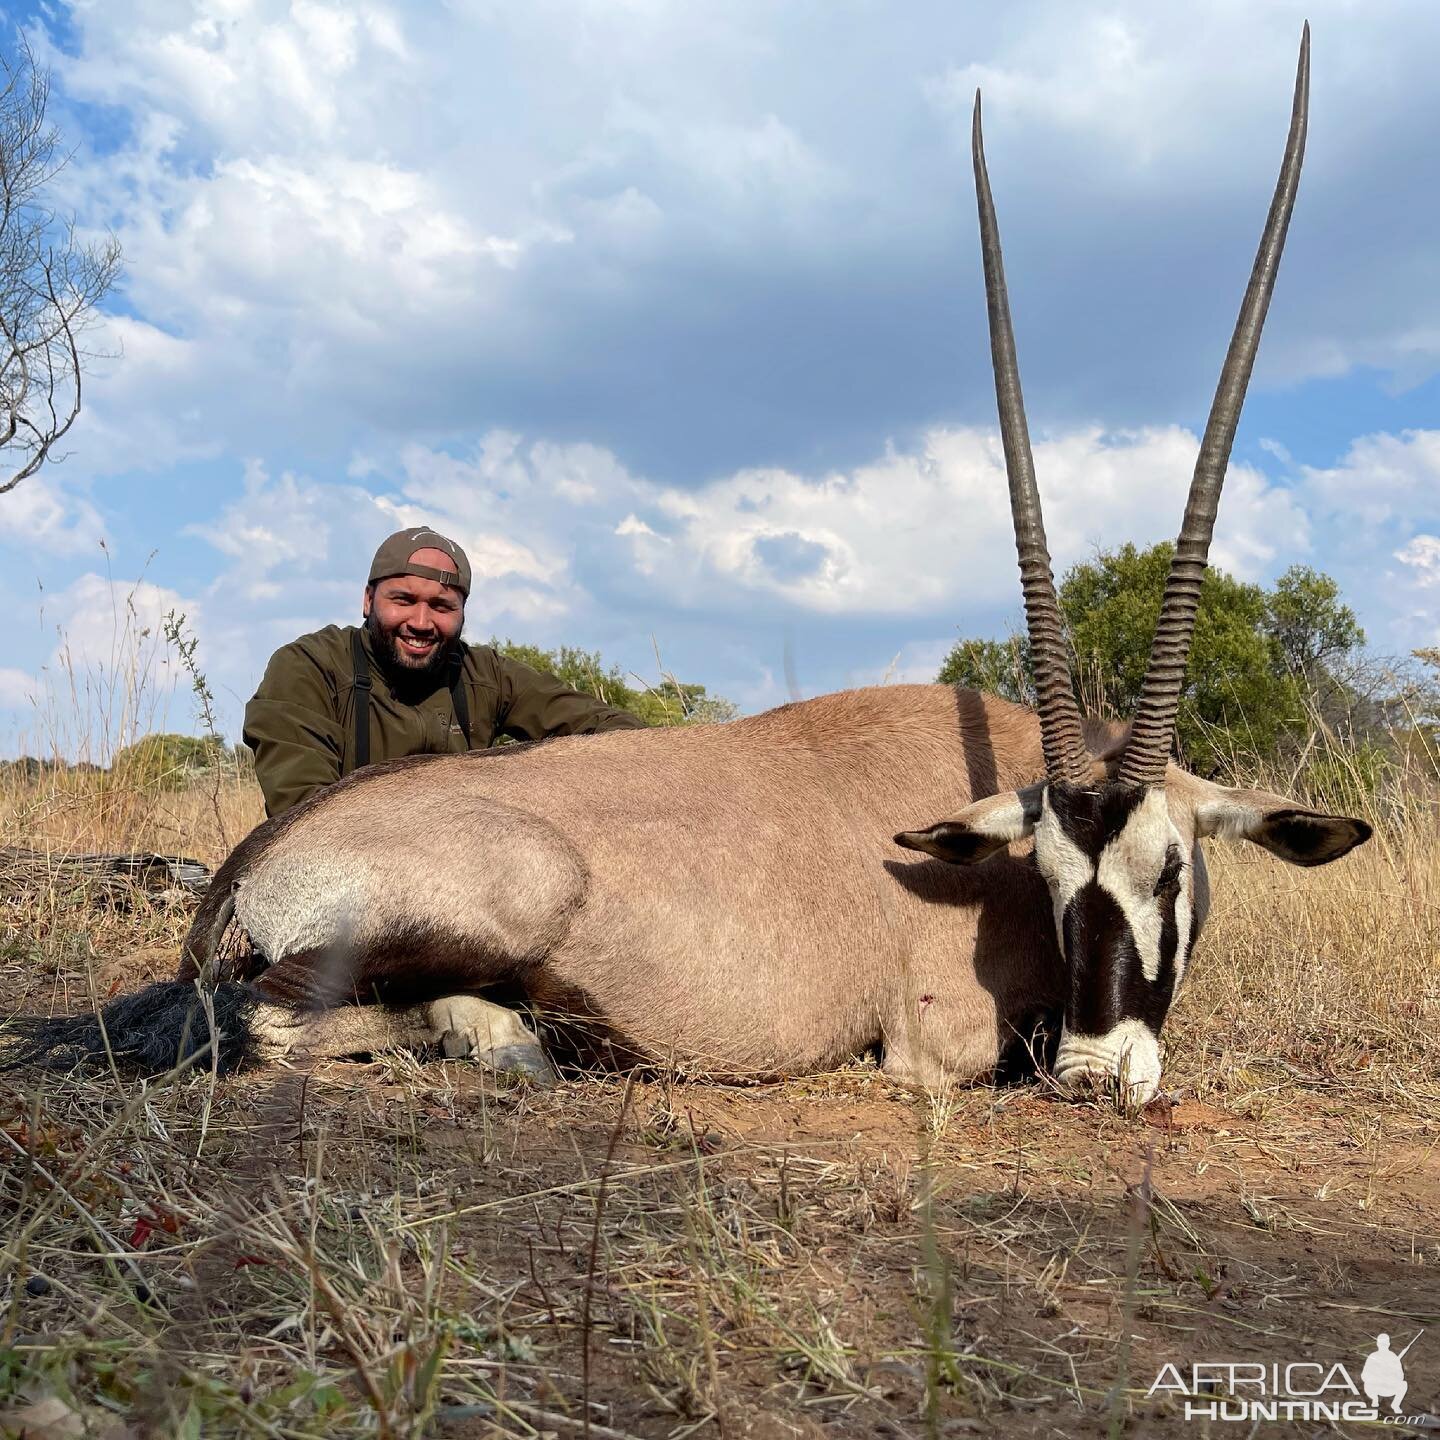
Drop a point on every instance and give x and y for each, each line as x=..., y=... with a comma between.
x=981, y=829
x=1283, y=827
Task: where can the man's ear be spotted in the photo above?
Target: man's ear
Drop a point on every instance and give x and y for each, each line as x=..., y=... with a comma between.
x=981, y=829
x=366, y=602
x=1283, y=827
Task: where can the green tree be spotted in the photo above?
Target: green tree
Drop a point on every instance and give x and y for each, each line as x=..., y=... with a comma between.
x=1256, y=656
x=1307, y=620
x=998, y=667
x=672, y=702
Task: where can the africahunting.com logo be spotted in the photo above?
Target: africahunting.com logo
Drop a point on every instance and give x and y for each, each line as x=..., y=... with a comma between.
x=1301, y=1390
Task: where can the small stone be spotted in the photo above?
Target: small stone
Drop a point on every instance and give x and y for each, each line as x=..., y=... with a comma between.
x=37, y=1285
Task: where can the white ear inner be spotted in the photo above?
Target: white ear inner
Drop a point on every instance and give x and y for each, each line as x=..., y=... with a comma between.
x=1225, y=817
x=1001, y=817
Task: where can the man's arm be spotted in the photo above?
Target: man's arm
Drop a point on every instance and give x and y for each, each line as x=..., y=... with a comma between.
x=534, y=705
x=291, y=726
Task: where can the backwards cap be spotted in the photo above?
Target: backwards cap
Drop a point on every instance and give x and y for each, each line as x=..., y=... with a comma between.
x=393, y=558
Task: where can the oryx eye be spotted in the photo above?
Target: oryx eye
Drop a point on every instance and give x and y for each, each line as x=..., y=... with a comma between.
x=1169, y=880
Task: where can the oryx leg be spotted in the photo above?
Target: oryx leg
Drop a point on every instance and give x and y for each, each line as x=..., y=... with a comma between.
x=939, y=1033
x=463, y=1026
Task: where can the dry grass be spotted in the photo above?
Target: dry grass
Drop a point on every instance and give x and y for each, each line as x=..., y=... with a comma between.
x=407, y=1248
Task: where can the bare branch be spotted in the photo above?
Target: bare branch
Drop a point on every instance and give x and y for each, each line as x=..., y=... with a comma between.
x=52, y=282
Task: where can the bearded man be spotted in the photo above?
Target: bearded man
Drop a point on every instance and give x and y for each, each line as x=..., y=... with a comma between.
x=403, y=683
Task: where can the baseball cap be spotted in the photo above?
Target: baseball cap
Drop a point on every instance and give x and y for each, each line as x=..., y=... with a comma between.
x=393, y=558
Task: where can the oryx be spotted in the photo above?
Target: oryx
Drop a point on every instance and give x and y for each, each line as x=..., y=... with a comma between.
x=728, y=898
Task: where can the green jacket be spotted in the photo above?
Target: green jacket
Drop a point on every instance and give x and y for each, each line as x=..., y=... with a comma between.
x=301, y=721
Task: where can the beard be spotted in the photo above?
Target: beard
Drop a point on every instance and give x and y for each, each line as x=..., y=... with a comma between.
x=405, y=672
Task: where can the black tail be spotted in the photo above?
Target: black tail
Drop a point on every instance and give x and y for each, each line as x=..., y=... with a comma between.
x=151, y=1031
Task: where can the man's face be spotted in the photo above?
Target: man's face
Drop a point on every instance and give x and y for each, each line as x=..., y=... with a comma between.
x=415, y=623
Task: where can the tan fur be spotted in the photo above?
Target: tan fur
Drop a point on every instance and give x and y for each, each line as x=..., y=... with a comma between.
x=725, y=898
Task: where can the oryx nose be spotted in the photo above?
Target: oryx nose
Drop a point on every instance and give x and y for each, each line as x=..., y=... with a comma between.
x=1128, y=1057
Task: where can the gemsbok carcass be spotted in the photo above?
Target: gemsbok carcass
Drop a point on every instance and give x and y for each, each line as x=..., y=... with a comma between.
x=726, y=899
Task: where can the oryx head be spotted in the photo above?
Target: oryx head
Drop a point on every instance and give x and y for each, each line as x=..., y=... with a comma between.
x=1116, y=836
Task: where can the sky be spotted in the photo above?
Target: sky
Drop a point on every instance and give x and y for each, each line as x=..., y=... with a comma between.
x=672, y=314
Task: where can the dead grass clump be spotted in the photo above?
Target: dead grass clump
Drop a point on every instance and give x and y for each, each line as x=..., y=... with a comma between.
x=1329, y=978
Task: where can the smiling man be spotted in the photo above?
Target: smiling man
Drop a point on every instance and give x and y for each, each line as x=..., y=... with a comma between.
x=403, y=683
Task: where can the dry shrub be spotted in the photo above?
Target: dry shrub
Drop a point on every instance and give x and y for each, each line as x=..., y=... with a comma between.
x=1332, y=972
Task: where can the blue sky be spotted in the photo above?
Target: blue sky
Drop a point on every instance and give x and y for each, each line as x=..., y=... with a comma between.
x=672, y=314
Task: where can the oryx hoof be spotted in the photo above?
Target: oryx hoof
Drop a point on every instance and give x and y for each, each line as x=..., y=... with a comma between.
x=526, y=1059
x=529, y=1061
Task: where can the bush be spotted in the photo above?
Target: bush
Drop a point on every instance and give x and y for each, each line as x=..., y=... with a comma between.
x=673, y=702
x=168, y=761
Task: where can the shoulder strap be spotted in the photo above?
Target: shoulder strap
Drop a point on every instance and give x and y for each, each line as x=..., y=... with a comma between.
x=362, y=701
x=457, y=693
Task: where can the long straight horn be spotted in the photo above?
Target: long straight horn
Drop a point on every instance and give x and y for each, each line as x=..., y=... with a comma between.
x=1060, y=731
x=1151, y=735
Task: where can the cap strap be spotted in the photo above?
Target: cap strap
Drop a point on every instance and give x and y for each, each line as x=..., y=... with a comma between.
x=427, y=572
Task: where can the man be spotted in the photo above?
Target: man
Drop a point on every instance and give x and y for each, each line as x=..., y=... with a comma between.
x=404, y=683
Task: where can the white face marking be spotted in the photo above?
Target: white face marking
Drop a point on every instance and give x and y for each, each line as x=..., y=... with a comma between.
x=1130, y=1052
x=1065, y=866
x=1130, y=864
x=1182, y=933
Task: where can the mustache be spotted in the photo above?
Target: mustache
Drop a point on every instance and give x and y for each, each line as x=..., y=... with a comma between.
x=407, y=670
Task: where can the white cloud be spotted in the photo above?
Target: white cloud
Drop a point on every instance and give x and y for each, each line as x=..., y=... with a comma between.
x=920, y=533
x=116, y=627
x=560, y=534
x=917, y=532
x=1422, y=555
x=1131, y=82
x=1378, y=504
x=42, y=515
x=17, y=689
x=1381, y=479
x=110, y=675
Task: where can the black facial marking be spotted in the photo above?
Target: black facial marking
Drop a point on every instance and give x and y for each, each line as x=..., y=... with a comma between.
x=1107, y=982
x=1169, y=881
x=1089, y=819
x=1032, y=803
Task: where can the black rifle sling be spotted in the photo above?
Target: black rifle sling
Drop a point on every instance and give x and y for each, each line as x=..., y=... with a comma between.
x=362, y=701
x=457, y=694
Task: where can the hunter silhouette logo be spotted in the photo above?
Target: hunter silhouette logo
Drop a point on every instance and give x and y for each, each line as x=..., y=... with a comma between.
x=1384, y=1375
x=1306, y=1390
